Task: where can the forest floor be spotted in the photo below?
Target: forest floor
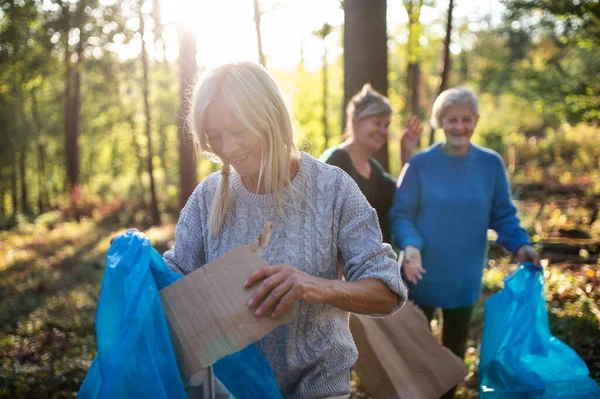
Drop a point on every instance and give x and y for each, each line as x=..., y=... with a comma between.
x=51, y=271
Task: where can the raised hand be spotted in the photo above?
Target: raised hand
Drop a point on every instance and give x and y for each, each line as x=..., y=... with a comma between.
x=410, y=138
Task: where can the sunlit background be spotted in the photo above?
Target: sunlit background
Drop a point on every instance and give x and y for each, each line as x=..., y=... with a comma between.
x=93, y=140
x=225, y=29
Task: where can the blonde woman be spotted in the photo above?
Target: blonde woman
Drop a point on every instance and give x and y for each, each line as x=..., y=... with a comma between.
x=368, y=118
x=317, y=211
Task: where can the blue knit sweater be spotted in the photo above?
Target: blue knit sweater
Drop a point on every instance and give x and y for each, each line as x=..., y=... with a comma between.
x=444, y=205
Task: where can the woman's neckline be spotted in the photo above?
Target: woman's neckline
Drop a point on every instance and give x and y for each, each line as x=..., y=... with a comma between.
x=369, y=162
x=266, y=199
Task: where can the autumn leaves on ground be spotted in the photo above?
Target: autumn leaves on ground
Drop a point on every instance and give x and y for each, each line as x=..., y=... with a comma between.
x=51, y=270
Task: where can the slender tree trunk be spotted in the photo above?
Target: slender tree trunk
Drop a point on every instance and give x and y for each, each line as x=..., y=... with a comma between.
x=158, y=32
x=13, y=185
x=162, y=147
x=138, y=154
x=187, y=161
x=365, y=52
x=445, y=64
x=145, y=87
x=72, y=93
x=413, y=80
x=413, y=75
x=68, y=106
x=41, y=168
x=23, y=176
x=261, y=55
x=42, y=192
x=325, y=95
x=2, y=192
x=464, y=66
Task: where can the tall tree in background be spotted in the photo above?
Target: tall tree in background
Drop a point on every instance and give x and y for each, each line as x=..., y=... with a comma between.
x=71, y=20
x=43, y=200
x=159, y=40
x=365, y=52
x=413, y=75
x=187, y=159
x=445, y=63
x=80, y=25
x=257, y=15
x=322, y=34
x=146, y=93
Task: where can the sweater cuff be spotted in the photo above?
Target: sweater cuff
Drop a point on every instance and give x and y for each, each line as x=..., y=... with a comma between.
x=414, y=241
x=518, y=246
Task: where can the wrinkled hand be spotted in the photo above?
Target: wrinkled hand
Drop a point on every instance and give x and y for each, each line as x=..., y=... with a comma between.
x=528, y=253
x=411, y=135
x=128, y=230
x=280, y=286
x=412, y=265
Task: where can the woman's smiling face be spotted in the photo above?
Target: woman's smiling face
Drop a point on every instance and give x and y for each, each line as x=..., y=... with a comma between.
x=372, y=132
x=232, y=141
x=458, y=123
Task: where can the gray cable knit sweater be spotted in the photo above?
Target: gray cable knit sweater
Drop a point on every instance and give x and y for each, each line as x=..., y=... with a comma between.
x=311, y=356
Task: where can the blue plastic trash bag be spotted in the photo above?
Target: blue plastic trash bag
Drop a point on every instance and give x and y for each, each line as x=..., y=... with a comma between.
x=135, y=356
x=247, y=375
x=519, y=358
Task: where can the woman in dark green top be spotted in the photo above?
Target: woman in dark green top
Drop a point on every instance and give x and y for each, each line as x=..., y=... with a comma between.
x=368, y=117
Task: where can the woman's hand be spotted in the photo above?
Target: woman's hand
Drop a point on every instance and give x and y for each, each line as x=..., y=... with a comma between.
x=281, y=286
x=412, y=265
x=129, y=230
x=528, y=253
x=410, y=138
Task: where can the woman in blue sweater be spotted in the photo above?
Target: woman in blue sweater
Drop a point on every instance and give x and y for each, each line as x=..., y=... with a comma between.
x=447, y=198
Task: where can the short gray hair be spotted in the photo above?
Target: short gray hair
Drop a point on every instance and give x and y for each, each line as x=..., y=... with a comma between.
x=367, y=102
x=447, y=98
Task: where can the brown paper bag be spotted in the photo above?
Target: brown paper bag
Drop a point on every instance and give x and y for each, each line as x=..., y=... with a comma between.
x=207, y=314
x=398, y=357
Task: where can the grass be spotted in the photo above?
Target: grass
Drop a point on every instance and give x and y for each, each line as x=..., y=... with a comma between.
x=50, y=276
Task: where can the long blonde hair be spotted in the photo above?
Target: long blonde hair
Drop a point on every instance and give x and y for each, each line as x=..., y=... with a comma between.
x=257, y=101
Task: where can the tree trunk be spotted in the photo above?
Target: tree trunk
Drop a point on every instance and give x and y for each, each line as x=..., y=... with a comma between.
x=13, y=185
x=23, y=175
x=162, y=148
x=42, y=191
x=2, y=192
x=261, y=55
x=325, y=117
x=41, y=162
x=145, y=88
x=365, y=53
x=325, y=31
x=413, y=75
x=413, y=83
x=445, y=64
x=464, y=66
x=138, y=153
x=187, y=161
x=158, y=32
x=72, y=105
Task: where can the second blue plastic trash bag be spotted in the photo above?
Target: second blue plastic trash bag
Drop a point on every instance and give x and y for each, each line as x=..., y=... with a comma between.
x=135, y=357
x=519, y=357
